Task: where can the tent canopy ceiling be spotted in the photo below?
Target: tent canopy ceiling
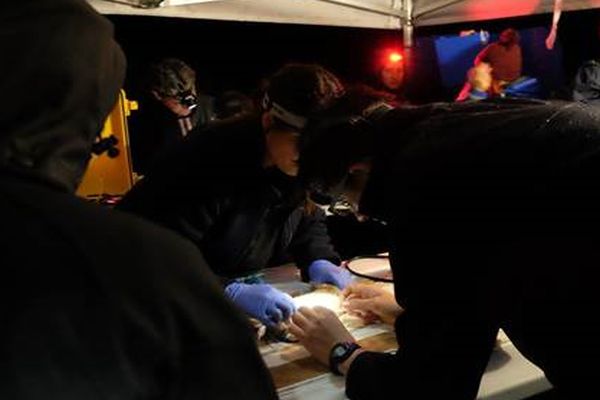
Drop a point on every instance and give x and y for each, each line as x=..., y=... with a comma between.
x=313, y=12
x=383, y=14
x=437, y=12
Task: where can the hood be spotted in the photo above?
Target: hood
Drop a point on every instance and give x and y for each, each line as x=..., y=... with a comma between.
x=60, y=74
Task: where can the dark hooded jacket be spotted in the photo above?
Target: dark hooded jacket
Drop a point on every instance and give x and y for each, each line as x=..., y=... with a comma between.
x=492, y=209
x=214, y=191
x=94, y=304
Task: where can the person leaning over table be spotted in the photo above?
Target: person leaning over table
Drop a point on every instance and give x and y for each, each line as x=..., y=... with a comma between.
x=492, y=211
x=232, y=190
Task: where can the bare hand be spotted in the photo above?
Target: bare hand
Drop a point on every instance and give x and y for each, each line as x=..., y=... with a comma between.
x=551, y=38
x=480, y=76
x=371, y=303
x=318, y=330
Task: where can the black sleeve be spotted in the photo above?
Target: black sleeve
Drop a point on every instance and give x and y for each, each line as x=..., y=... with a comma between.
x=184, y=325
x=371, y=376
x=445, y=339
x=311, y=241
x=180, y=204
x=185, y=190
x=193, y=219
x=129, y=310
x=442, y=277
x=457, y=212
x=154, y=132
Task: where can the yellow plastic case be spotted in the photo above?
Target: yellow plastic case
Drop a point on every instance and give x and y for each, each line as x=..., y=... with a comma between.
x=106, y=176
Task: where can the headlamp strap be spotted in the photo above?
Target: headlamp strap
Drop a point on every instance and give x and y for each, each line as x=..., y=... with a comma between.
x=284, y=115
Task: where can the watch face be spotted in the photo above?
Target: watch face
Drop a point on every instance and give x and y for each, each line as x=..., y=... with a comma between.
x=339, y=350
x=339, y=353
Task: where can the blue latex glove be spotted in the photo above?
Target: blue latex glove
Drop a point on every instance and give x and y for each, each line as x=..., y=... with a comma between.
x=262, y=301
x=323, y=271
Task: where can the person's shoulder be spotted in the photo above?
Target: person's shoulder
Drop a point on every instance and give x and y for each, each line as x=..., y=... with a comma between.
x=219, y=144
x=489, y=47
x=223, y=132
x=576, y=114
x=132, y=231
x=547, y=115
x=137, y=242
x=99, y=234
x=592, y=63
x=500, y=109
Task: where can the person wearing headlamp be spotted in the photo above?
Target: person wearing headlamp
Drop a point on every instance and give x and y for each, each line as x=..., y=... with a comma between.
x=232, y=190
x=492, y=213
x=170, y=109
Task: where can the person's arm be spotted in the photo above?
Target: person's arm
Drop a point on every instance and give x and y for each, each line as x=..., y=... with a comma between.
x=442, y=353
x=310, y=241
x=369, y=375
x=261, y=301
x=446, y=334
x=187, y=190
x=210, y=341
x=482, y=56
x=193, y=219
x=551, y=38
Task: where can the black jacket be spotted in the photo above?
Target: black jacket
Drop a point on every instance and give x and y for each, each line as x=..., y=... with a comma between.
x=155, y=130
x=493, y=211
x=214, y=191
x=95, y=304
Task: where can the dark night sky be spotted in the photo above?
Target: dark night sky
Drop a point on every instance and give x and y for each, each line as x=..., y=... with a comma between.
x=236, y=55
x=233, y=55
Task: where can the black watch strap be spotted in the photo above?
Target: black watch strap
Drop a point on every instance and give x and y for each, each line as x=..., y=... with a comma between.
x=339, y=353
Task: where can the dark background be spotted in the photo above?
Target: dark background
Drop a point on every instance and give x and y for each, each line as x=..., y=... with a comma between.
x=236, y=55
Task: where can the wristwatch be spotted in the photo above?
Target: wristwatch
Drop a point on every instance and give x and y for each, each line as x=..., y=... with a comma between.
x=339, y=353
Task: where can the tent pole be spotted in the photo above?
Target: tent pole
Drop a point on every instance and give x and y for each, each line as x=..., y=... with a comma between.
x=407, y=24
x=408, y=35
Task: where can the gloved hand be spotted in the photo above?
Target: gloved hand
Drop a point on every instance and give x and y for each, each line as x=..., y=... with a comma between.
x=262, y=301
x=323, y=271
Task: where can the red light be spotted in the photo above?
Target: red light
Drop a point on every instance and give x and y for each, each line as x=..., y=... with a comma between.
x=389, y=56
x=395, y=57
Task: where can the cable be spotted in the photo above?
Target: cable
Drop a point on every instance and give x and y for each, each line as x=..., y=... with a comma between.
x=366, y=276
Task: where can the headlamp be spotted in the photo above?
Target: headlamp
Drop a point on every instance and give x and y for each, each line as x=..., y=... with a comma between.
x=187, y=99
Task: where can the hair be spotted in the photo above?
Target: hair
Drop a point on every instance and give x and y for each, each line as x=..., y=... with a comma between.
x=336, y=139
x=303, y=89
x=325, y=159
x=170, y=77
x=233, y=103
